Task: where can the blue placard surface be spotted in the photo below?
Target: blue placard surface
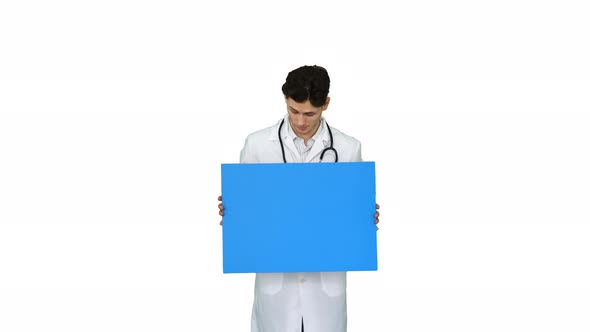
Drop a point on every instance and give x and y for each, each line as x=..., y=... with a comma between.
x=299, y=217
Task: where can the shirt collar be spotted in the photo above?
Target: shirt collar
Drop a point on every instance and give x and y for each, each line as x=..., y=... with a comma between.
x=291, y=134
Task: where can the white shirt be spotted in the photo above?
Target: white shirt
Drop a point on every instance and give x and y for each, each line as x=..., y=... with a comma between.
x=302, y=148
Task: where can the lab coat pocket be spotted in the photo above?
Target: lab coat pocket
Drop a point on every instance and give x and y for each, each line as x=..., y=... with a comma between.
x=269, y=283
x=333, y=283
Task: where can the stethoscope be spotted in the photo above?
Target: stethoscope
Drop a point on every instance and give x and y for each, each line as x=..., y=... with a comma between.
x=331, y=147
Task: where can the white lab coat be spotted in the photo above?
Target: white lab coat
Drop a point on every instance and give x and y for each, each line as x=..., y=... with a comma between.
x=282, y=299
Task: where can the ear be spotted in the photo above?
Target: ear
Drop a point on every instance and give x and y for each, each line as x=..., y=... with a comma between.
x=325, y=106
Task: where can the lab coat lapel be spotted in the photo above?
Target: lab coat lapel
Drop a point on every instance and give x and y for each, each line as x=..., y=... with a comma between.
x=290, y=149
x=321, y=143
x=288, y=144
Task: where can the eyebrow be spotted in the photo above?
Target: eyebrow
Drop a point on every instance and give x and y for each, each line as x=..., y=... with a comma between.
x=296, y=110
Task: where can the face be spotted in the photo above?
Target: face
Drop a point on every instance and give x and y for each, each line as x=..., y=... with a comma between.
x=304, y=117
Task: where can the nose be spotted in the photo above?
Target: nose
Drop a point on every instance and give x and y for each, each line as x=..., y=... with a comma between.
x=299, y=120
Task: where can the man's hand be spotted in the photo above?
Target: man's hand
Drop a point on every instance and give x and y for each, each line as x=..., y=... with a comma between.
x=220, y=206
x=376, y=215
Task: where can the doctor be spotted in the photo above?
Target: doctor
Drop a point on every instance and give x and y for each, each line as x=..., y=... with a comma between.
x=293, y=302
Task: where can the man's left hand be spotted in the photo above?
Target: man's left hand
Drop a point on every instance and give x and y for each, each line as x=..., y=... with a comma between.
x=376, y=215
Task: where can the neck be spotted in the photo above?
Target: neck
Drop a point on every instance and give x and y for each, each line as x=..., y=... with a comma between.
x=308, y=136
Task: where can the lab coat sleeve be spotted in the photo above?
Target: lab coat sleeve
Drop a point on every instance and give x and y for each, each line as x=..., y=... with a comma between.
x=357, y=152
x=247, y=155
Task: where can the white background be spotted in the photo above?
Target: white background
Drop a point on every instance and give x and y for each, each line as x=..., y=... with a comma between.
x=116, y=115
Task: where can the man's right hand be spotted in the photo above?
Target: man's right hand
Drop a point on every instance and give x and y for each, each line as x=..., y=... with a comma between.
x=220, y=206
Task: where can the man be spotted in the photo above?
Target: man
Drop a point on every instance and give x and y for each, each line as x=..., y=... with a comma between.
x=292, y=302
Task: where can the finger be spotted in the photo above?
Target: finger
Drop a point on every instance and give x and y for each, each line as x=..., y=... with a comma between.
x=376, y=205
x=219, y=198
x=220, y=206
x=377, y=221
x=221, y=213
x=221, y=222
x=376, y=215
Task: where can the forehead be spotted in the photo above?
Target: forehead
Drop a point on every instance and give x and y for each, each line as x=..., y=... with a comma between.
x=305, y=106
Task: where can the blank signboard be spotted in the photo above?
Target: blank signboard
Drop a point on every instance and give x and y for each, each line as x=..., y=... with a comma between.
x=299, y=217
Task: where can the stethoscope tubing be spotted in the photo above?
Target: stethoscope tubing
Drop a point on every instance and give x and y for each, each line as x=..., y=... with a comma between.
x=330, y=148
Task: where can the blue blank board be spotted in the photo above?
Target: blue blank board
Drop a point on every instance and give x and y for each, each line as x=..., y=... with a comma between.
x=299, y=217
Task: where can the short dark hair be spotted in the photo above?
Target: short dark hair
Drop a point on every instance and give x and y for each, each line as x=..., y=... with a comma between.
x=308, y=83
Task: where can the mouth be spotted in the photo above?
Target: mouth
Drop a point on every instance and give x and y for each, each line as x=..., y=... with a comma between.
x=302, y=128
